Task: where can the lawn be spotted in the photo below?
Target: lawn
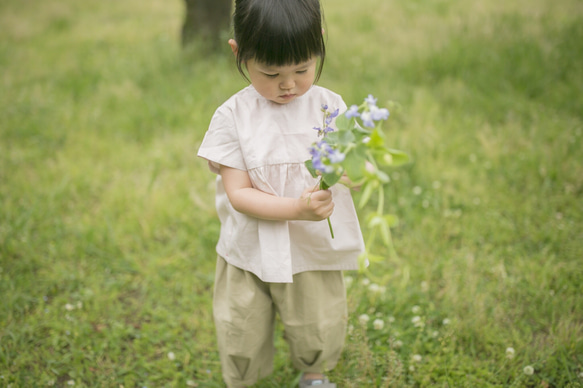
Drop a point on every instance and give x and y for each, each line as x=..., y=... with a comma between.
x=107, y=219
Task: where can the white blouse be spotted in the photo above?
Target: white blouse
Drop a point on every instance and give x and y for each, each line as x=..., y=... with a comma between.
x=270, y=142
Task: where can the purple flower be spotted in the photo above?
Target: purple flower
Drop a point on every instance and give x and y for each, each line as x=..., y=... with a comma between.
x=336, y=156
x=370, y=100
x=323, y=155
x=327, y=129
x=379, y=113
x=331, y=116
x=352, y=112
x=320, y=166
x=367, y=119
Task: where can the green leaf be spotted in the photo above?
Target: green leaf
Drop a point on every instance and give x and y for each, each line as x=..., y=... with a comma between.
x=335, y=139
x=355, y=162
x=331, y=179
x=385, y=233
x=311, y=168
x=383, y=223
x=344, y=123
x=375, y=258
x=399, y=157
x=376, y=140
x=392, y=220
x=369, y=187
x=383, y=176
x=374, y=220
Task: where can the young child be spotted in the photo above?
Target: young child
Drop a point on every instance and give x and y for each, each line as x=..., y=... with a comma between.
x=275, y=251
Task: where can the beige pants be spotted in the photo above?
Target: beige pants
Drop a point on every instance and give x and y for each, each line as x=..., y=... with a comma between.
x=312, y=309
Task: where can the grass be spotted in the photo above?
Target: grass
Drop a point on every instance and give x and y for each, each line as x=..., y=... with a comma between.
x=107, y=221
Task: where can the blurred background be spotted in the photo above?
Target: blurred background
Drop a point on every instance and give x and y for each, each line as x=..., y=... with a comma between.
x=107, y=220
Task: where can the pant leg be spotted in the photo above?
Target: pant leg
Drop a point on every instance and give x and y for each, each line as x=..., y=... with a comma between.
x=314, y=313
x=244, y=320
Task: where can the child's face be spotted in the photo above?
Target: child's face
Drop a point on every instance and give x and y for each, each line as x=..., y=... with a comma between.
x=282, y=84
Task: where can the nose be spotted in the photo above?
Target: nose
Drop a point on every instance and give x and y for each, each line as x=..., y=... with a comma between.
x=287, y=83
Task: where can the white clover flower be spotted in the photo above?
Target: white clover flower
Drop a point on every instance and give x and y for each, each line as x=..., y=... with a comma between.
x=171, y=356
x=510, y=353
x=416, y=309
x=363, y=319
x=391, y=319
x=191, y=383
x=71, y=382
x=79, y=305
x=365, y=282
x=435, y=334
x=436, y=185
x=446, y=321
x=417, y=190
x=348, y=280
x=69, y=307
x=528, y=370
x=417, y=321
x=411, y=368
x=378, y=324
x=417, y=358
x=374, y=288
x=398, y=344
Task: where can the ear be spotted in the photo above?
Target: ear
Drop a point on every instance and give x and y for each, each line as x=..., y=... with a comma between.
x=234, y=46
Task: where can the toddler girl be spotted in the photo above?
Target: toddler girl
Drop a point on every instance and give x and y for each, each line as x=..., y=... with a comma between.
x=275, y=252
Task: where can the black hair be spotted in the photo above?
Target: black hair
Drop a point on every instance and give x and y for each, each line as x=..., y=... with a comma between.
x=278, y=32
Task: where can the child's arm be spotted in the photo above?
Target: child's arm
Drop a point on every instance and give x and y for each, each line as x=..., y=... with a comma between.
x=313, y=205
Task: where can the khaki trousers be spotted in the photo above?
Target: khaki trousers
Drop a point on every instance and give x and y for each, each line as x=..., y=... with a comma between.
x=312, y=308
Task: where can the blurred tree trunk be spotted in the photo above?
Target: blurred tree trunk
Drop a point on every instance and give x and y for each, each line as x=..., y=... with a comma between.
x=205, y=20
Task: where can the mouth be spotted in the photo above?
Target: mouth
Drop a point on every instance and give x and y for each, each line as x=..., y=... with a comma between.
x=287, y=96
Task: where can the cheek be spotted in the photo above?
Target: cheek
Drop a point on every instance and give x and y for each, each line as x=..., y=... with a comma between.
x=308, y=81
x=263, y=86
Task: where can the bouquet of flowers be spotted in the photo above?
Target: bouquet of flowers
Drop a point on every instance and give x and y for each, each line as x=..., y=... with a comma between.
x=356, y=154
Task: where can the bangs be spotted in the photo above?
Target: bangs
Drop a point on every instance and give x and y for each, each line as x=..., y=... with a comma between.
x=280, y=46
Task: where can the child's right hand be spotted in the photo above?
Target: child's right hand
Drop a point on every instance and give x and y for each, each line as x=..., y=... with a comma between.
x=315, y=205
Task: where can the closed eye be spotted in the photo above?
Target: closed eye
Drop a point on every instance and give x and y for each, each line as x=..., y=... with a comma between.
x=271, y=75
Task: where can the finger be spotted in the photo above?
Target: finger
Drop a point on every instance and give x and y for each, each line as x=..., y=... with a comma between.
x=322, y=195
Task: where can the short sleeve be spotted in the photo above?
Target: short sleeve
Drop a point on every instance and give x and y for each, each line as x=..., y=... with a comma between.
x=221, y=145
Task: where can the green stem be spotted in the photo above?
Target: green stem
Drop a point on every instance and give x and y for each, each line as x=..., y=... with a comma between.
x=324, y=186
x=381, y=204
x=330, y=227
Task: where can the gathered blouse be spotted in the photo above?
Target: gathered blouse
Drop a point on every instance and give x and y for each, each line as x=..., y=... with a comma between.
x=271, y=143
